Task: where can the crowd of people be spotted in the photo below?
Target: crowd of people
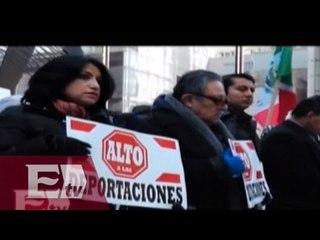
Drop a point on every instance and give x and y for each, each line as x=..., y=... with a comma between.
x=203, y=111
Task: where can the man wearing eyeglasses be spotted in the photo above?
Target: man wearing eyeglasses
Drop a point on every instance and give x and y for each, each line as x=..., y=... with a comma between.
x=188, y=115
x=240, y=89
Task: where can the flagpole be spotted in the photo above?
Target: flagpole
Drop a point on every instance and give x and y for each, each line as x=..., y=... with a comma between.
x=239, y=59
x=273, y=100
x=106, y=62
x=105, y=56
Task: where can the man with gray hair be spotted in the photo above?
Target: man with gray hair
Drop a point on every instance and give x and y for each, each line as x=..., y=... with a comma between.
x=189, y=115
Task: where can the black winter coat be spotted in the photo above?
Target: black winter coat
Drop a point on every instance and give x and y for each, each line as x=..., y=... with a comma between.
x=207, y=176
x=242, y=127
x=26, y=130
x=291, y=161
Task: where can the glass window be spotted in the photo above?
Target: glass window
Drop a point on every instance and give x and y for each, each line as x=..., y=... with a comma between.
x=156, y=68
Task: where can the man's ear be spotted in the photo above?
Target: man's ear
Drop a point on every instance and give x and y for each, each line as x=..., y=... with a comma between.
x=310, y=114
x=187, y=100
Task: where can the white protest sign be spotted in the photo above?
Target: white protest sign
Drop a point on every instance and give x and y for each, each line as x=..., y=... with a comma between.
x=137, y=169
x=255, y=184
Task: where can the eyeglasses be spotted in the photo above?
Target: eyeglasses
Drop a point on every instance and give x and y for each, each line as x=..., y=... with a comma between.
x=221, y=101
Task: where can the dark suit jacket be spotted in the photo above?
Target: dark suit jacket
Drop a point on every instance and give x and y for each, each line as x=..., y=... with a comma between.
x=291, y=161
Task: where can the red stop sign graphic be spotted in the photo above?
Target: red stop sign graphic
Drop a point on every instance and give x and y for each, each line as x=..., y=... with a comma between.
x=124, y=154
x=247, y=163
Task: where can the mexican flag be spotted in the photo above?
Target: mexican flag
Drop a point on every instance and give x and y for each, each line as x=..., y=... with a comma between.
x=287, y=96
x=277, y=90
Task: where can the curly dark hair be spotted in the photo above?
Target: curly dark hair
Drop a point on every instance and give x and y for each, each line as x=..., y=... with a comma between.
x=49, y=82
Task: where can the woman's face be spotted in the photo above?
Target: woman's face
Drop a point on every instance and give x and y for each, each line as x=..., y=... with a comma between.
x=85, y=90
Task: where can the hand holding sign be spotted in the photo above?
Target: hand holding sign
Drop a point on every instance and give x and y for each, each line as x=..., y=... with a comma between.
x=255, y=184
x=134, y=169
x=234, y=163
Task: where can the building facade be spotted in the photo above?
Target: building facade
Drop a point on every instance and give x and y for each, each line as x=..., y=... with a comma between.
x=143, y=72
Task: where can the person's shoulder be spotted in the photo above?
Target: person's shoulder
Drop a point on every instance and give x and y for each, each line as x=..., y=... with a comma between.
x=9, y=101
x=226, y=115
x=104, y=116
x=280, y=132
x=286, y=127
x=14, y=116
x=12, y=110
x=37, y=117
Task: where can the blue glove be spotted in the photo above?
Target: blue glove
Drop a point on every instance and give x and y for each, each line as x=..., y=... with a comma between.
x=234, y=163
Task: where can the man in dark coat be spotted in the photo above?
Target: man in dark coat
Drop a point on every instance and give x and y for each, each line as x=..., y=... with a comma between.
x=188, y=116
x=291, y=158
x=240, y=88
